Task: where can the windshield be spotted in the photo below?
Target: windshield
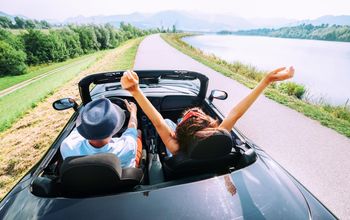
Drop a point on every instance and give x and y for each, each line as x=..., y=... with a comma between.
x=188, y=86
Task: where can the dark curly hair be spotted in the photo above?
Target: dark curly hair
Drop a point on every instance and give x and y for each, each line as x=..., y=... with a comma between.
x=194, y=129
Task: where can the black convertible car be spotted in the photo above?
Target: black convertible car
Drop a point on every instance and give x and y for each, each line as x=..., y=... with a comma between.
x=225, y=176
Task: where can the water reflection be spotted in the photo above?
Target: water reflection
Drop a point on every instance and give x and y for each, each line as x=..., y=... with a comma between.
x=322, y=66
x=229, y=185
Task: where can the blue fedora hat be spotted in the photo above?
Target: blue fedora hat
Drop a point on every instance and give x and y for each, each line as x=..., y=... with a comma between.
x=100, y=119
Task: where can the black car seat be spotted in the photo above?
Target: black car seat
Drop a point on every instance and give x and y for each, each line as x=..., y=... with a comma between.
x=96, y=175
x=207, y=155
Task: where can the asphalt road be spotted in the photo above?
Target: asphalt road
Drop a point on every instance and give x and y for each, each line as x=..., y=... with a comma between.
x=317, y=156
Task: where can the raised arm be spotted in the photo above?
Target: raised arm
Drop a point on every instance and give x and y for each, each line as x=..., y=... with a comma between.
x=130, y=82
x=133, y=114
x=238, y=110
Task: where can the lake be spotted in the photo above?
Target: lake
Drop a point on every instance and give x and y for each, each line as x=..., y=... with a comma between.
x=322, y=66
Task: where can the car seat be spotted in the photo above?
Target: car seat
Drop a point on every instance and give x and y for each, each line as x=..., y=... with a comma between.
x=211, y=154
x=97, y=174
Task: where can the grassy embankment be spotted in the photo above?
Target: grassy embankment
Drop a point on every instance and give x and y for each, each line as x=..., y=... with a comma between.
x=15, y=104
x=335, y=117
x=34, y=71
x=24, y=143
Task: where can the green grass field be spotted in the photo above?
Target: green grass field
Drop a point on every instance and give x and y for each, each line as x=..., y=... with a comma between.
x=335, y=117
x=8, y=81
x=13, y=105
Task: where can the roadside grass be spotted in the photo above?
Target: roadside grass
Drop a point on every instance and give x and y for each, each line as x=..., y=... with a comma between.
x=335, y=117
x=15, y=104
x=127, y=61
x=33, y=71
x=25, y=142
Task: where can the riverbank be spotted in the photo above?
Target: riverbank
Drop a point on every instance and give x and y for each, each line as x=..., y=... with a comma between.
x=323, y=32
x=335, y=117
x=28, y=139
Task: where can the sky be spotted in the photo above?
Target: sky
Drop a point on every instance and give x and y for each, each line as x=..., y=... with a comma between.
x=62, y=9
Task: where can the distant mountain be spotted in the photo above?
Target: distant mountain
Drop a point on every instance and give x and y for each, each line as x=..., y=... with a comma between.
x=134, y=17
x=327, y=19
x=183, y=20
x=11, y=16
x=193, y=21
x=271, y=22
x=5, y=15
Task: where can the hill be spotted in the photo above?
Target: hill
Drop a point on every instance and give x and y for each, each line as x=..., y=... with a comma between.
x=194, y=21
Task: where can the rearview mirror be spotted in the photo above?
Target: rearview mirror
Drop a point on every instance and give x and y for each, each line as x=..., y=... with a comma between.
x=66, y=103
x=217, y=94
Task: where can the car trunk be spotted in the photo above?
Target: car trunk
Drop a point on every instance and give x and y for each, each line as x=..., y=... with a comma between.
x=260, y=191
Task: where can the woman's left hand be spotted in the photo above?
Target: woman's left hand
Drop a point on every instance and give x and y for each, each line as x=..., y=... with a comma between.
x=280, y=74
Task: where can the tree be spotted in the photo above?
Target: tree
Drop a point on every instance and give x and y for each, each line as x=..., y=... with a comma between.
x=71, y=41
x=45, y=24
x=29, y=24
x=43, y=48
x=19, y=23
x=59, y=51
x=12, y=61
x=13, y=40
x=61, y=44
x=5, y=22
x=103, y=37
x=112, y=35
x=87, y=38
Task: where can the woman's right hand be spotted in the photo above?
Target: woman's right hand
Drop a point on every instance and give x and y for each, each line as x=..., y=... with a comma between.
x=130, y=81
x=280, y=74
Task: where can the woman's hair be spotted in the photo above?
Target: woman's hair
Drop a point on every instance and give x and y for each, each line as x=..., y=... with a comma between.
x=196, y=127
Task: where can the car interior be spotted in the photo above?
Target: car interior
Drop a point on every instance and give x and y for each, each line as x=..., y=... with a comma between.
x=102, y=174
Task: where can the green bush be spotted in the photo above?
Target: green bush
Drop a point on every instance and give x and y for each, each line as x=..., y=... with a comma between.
x=342, y=112
x=37, y=47
x=21, y=23
x=12, y=61
x=87, y=38
x=292, y=89
x=71, y=41
x=13, y=40
x=44, y=48
x=5, y=22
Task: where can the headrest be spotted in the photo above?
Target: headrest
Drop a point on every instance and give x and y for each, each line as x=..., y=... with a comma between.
x=99, y=173
x=216, y=145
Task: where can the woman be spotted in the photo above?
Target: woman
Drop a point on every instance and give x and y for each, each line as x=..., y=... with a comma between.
x=195, y=124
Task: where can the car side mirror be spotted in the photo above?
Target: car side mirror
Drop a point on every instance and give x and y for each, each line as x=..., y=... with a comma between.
x=63, y=104
x=217, y=94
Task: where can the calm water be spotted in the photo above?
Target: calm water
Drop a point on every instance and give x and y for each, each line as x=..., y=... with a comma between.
x=322, y=66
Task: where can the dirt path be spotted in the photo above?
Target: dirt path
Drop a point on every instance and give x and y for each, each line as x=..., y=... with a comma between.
x=26, y=141
x=317, y=156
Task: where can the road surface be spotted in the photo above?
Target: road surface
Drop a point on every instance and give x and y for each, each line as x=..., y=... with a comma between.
x=317, y=156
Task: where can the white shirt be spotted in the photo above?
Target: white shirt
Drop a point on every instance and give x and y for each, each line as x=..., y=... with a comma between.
x=124, y=148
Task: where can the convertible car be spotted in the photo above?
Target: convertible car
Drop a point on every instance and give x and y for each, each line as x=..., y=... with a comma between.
x=225, y=176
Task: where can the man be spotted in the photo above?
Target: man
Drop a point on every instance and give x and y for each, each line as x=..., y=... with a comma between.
x=98, y=121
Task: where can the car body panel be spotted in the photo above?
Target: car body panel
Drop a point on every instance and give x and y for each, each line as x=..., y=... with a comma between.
x=261, y=190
